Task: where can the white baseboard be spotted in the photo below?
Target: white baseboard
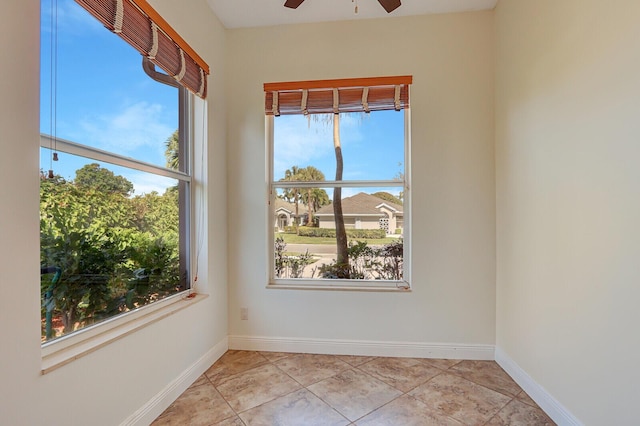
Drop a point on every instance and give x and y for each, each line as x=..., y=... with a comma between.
x=363, y=347
x=154, y=407
x=548, y=403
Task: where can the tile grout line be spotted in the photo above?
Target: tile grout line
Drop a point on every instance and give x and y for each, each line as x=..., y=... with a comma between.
x=355, y=366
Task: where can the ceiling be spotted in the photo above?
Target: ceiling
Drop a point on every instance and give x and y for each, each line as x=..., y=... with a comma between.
x=257, y=13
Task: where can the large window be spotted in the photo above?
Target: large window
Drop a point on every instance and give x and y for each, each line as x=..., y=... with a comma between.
x=338, y=190
x=115, y=174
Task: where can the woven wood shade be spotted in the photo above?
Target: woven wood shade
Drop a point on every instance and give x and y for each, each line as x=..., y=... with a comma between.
x=144, y=29
x=337, y=96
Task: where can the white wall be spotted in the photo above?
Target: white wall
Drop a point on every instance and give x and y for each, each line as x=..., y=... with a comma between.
x=450, y=57
x=107, y=386
x=568, y=205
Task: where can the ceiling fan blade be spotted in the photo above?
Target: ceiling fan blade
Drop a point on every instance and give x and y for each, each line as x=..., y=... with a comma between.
x=293, y=4
x=389, y=5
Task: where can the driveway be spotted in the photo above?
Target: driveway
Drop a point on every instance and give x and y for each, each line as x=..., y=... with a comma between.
x=321, y=249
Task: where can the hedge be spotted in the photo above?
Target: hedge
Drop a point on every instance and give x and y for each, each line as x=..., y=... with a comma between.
x=290, y=229
x=305, y=231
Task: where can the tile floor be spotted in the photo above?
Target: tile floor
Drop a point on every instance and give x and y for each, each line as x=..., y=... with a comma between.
x=269, y=388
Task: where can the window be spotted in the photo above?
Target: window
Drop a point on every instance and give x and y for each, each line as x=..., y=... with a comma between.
x=338, y=183
x=115, y=166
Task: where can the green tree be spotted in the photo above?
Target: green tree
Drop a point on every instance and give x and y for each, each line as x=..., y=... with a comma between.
x=171, y=152
x=115, y=252
x=92, y=176
x=387, y=197
x=292, y=194
x=342, y=259
x=84, y=233
x=314, y=198
x=157, y=214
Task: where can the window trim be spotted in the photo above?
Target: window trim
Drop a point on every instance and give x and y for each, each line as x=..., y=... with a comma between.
x=75, y=148
x=337, y=284
x=68, y=348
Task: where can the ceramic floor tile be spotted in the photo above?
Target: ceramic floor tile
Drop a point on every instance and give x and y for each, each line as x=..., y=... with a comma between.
x=255, y=387
x=234, y=362
x=275, y=356
x=354, y=393
x=354, y=360
x=307, y=368
x=442, y=364
x=202, y=380
x=488, y=374
x=517, y=413
x=524, y=397
x=461, y=399
x=297, y=408
x=401, y=373
x=199, y=405
x=233, y=421
x=407, y=411
x=265, y=388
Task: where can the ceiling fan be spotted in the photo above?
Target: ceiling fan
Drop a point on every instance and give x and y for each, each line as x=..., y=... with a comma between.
x=388, y=5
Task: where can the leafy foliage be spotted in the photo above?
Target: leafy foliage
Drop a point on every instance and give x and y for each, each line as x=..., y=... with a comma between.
x=287, y=266
x=306, y=231
x=171, y=151
x=116, y=252
x=95, y=177
x=368, y=263
x=313, y=198
x=386, y=196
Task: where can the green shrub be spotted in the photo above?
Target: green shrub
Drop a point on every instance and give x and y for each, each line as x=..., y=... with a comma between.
x=398, y=231
x=366, y=233
x=306, y=231
x=291, y=229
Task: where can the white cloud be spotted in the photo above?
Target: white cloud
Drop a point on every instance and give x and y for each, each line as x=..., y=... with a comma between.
x=299, y=142
x=139, y=125
x=303, y=141
x=145, y=183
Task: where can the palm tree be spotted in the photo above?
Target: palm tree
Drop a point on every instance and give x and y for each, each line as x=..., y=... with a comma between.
x=314, y=195
x=292, y=194
x=171, y=151
x=342, y=259
x=319, y=198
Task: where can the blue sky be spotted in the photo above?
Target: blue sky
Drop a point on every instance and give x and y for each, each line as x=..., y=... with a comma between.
x=372, y=146
x=103, y=97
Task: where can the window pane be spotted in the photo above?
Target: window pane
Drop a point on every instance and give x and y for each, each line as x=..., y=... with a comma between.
x=102, y=96
x=110, y=242
x=372, y=145
x=305, y=244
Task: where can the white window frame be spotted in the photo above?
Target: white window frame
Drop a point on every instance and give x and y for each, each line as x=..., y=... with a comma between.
x=65, y=349
x=337, y=284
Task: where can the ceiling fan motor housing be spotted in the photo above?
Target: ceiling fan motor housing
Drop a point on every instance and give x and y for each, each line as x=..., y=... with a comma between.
x=388, y=5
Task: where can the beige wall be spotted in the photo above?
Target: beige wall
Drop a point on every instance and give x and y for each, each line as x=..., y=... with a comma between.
x=111, y=384
x=450, y=58
x=568, y=205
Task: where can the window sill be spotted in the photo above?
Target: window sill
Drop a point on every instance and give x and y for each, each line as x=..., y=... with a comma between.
x=337, y=285
x=66, y=349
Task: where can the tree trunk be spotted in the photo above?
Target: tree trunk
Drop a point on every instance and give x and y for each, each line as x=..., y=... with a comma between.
x=309, y=204
x=296, y=221
x=341, y=234
x=69, y=320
